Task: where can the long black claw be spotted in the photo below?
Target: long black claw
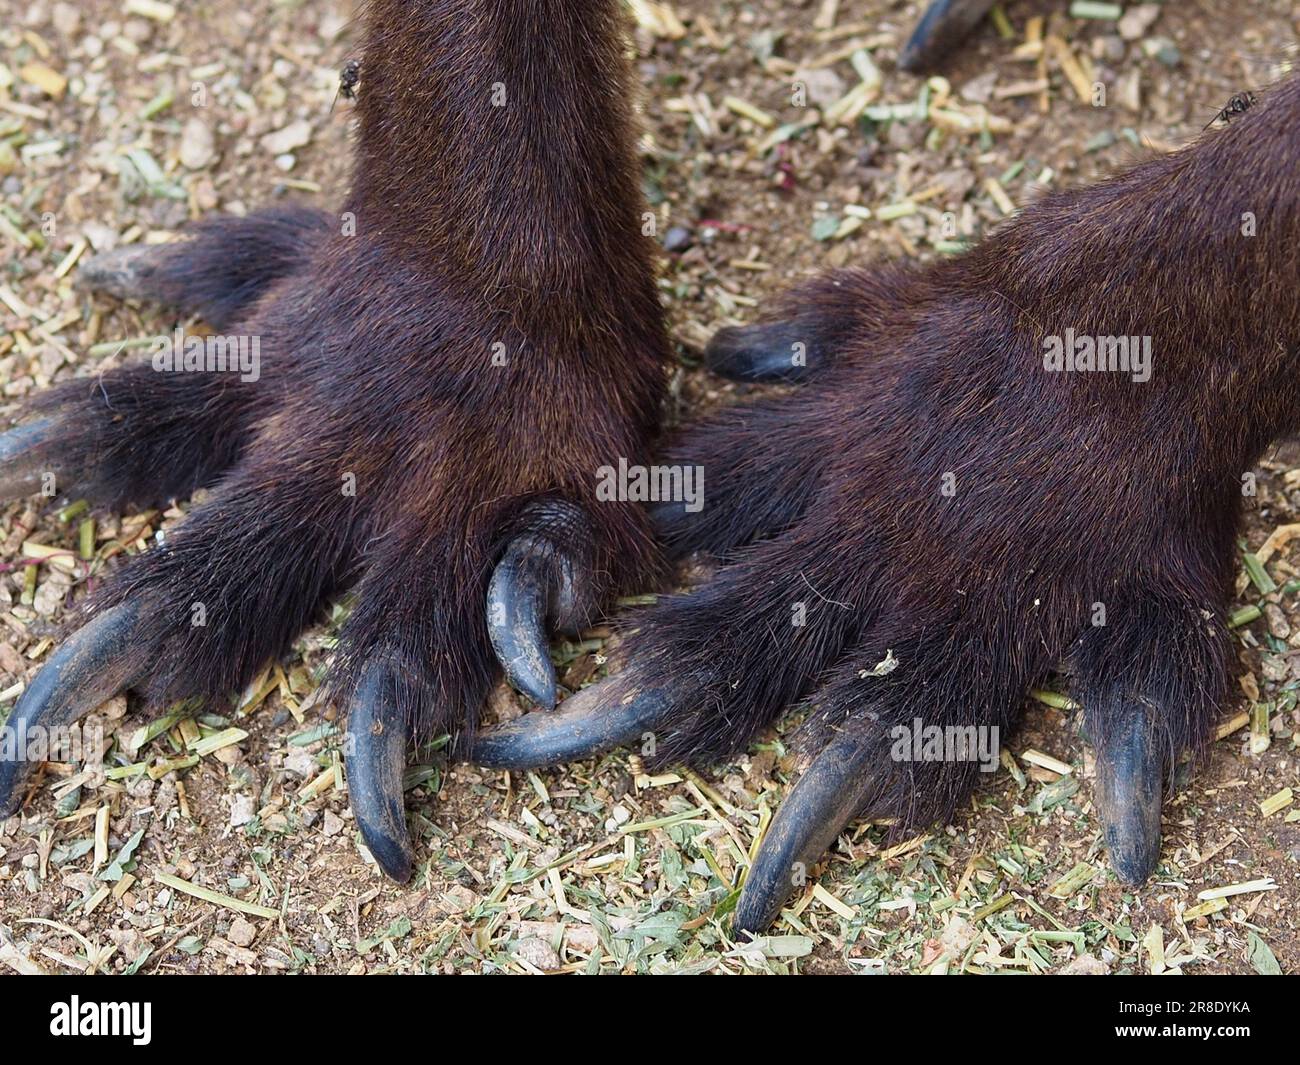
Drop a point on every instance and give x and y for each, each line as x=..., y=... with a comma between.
x=539, y=581
x=518, y=597
x=769, y=352
x=24, y=458
x=1129, y=792
x=585, y=724
x=92, y=666
x=827, y=797
x=122, y=272
x=375, y=759
x=945, y=24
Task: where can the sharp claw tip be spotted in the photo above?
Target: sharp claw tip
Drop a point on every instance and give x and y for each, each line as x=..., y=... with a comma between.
x=544, y=695
x=390, y=855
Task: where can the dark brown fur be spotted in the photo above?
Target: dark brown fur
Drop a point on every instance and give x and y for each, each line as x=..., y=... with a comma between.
x=1071, y=489
x=483, y=230
x=480, y=232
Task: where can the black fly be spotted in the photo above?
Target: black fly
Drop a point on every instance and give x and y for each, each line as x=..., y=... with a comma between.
x=349, y=76
x=1238, y=105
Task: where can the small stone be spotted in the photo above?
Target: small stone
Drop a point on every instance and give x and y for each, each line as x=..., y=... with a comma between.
x=979, y=90
x=67, y=19
x=197, y=148
x=1274, y=668
x=332, y=824
x=1128, y=90
x=678, y=238
x=1086, y=965
x=283, y=141
x=1109, y=49
x=823, y=85
x=458, y=899
x=301, y=763
x=1136, y=20
x=137, y=30
x=242, y=933
x=11, y=661
x=1162, y=50
x=242, y=811
x=101, y=236
x=1277, y=622
x=286, y=162
x=538, y=953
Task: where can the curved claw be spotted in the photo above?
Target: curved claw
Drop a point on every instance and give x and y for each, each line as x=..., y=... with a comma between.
x=374, y=757
x=1129, y=793
x=518, y=595
x=827, y=797
x=943, y=26
x=585, y=724
x=768, y=352
x=536, y=582
x=24, y=457
x=94, y=664
x=122, y=272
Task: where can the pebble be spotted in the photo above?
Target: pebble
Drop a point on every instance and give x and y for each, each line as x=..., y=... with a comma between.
x=1277, y=622
x=198, y=147
x=1136, y=20
x=1163, y=50
x=242, y=933
x=283, y=141
x=301, y=763
x=1109, y=49
x=824, y=85
x=1086, y=965
x=66, y=19
x=242, y=810
x=979, y=90
x=1128, y=91
x=538, y=953
x=678, y=238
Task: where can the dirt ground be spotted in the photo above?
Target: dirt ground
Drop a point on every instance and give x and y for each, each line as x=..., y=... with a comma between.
x=121, y=119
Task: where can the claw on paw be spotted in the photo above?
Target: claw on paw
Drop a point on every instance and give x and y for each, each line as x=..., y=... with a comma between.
x=536, y=584
x=92, y=666
x=827, y=797
x=375, y=761
x=24, y=455
x=585, y=724
x=1129, y=791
